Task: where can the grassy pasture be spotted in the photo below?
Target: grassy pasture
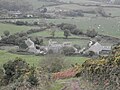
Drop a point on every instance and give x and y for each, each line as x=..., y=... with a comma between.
x=79, y=1
x=59, y=37
x=58, y=33
x=106, y=26
x=113, y=11
x=34, y=60
x=12, y=28
x=37, y=4
x=71, y=7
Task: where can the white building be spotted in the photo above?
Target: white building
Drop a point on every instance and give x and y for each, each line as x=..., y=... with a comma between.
x=97, y=48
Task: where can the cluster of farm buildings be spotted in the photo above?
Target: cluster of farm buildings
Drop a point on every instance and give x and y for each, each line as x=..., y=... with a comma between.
x=56, y=47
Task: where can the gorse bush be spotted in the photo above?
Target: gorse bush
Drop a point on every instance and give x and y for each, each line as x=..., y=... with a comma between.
x=103, y=72
x=18, y=75
x=14, y=70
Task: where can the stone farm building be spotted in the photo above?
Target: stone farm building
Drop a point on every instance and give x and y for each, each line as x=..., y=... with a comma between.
x=98, y=48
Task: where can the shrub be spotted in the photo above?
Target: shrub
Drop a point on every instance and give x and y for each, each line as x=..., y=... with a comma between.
x=20, y=23
x=21, y=34
x=103, y=72
x=91, y=53
x=53, y=63
x=68, y=26
x=68, y=51
x=91, y=33
x=32, y=77
x=76, y=31
x=66, y=33
x=6, y=33
x=21, y=42
x=35, y=23
x=14, y=70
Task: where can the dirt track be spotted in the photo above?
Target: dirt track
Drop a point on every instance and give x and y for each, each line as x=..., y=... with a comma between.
x=77, y=85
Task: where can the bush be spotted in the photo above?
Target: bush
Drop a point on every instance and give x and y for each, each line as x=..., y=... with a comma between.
x=68, y=51
x=103, y=72
x=68, y=26
x=74, y=13
x=91, y=53
x=66, y=33
x=91, y=33
x=53, y=63
x=35, y=23
x=6, y=33
x=72, y=28
x=18, y=75
x=14, y=70
x=76, y=32
x=32, y=77
x=37, y=40
x=21, y=42
x=21, y=34
x=20, y=23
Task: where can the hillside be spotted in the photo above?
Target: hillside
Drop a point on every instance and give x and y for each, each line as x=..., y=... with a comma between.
x=15, y=5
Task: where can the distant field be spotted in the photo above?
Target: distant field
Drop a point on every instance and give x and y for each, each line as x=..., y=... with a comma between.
x=80, y=1
x=61, y=38
x=37, y=4
x=12, y=28
x=34, y=60
x=106, y=26
x=113, y=11
x=58, y=33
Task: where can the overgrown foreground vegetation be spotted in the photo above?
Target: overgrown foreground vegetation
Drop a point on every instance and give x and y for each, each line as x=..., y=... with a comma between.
x=103, y=73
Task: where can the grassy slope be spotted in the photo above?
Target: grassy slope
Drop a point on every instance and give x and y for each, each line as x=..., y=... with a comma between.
x=109, y=26
x=37, y=4
x=32, y=59
x=12, y=28
x=78, y=1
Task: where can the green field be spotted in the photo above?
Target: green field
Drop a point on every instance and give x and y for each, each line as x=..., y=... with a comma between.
x=58, y=33
x=12, y=28
x=106, y=26
x=34, y=60
x=37, y=4
x=61, y=38
x=80, y=1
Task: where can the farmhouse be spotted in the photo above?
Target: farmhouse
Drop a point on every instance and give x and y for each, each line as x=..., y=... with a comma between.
x=56, y=47
x=32, y=47
x=98, y=48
